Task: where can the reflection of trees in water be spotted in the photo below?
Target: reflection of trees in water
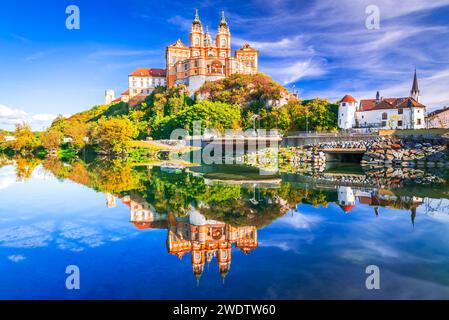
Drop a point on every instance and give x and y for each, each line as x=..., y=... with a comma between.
x=25, y=167
x=236, y=204
x=113, y=176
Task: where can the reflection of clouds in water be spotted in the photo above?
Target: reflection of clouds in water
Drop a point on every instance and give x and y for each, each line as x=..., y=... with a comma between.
x=302, y=225
x=75, y=231
x=383, y=239
x=287, y=241
x=74, y=236
x=7, y=177
x=16, y=257
x=24, y=237
x=69, y=236
x=299, y=220
x=364, y=251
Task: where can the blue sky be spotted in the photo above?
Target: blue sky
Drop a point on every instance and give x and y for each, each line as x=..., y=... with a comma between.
x=323, y=48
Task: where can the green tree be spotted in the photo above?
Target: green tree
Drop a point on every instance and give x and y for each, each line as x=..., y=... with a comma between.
x=213, y=115
x=25, y=141
x=51, y=140
x=317, y=114
x=114, y=135
x=77, y=131
x=276, y=118
x=249, y=91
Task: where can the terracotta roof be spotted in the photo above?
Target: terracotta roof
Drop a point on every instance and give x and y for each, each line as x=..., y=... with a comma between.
x=409, y=103
x=148, y=72
x=389, y=103
x=347, y=207
x=365, y=200
x=142, y=225
x=348, y=98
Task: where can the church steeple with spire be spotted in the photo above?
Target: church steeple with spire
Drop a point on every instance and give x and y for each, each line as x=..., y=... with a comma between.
x=208, y=57
x=415, y=93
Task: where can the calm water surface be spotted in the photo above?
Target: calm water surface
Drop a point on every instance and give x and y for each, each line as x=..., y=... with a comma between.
x=216, y=233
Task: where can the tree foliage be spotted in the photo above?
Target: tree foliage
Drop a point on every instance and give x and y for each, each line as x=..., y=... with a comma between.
x=244, y=89
x=317, y=114
x=51, y=140
x=213, y=115
x=114, y=135
x=77, y=132
x=25, y=140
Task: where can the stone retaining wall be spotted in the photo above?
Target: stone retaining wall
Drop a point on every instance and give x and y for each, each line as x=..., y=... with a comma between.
x=380, y=151
x=401, y=152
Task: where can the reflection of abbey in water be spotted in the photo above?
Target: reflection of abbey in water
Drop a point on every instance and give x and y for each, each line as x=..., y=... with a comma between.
x=204, y=238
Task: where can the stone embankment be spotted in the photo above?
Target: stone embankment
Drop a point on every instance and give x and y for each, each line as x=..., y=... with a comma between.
x=381, y=177
x=381, y=151
x=299, y=156
x=406, y=153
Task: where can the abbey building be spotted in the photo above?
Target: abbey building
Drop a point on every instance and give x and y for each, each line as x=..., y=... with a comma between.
x=207, y=58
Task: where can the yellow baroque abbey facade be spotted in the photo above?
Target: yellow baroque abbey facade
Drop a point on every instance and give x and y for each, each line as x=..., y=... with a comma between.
x=207, y=59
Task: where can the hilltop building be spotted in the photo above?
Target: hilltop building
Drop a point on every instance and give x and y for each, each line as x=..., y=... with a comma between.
x=109, y=96
x=438, y=118
x=207, y=59
x=383, y=113
x=204, y=59
x=142, y=81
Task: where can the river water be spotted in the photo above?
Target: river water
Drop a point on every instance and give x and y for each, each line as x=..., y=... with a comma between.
x=221, y=232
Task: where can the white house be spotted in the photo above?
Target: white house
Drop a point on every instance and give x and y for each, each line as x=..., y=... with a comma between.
x=142, y=81
x=383, y=113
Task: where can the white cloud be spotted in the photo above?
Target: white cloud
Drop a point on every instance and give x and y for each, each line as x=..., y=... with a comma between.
x=16, y=257
x=10, y=116
x=35, y=56
x=287, y=72
x=286, y=47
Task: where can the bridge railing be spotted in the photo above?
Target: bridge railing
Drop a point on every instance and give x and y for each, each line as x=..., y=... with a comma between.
x=350, y=133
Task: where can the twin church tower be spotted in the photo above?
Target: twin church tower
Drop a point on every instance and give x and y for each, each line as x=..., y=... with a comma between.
x=207, y=59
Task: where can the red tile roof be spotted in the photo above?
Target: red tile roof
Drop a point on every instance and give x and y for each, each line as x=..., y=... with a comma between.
x=347, y=207
x=125, y=93
x=348, y=98
x=365, y=200
x=148, y=72
x=389, y=103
